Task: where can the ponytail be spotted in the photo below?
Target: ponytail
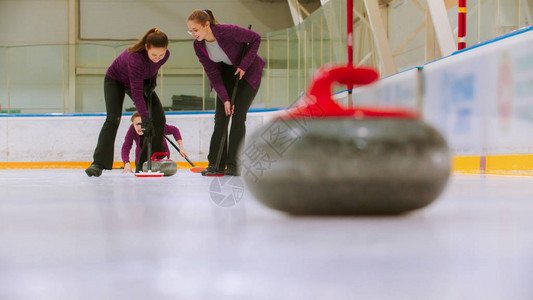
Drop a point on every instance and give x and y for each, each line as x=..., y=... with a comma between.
x=153, y=38
x=202, y=16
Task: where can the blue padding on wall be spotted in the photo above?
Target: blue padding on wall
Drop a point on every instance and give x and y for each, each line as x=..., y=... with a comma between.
x=496, y=39
x=129, y=113
x=505, y=36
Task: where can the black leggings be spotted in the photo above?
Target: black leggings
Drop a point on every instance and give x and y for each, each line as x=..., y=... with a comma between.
x=114, y=93
x=243, y=99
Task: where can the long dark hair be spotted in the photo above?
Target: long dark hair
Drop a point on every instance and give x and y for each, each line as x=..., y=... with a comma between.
x=201, y=16
x=153, y=38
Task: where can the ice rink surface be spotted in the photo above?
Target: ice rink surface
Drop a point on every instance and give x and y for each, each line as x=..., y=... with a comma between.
x=64, y=235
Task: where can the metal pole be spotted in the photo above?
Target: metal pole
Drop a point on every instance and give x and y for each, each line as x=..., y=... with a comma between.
x=478, y=21
x=349, y=32
x=498, y=17
x=519, y=7
x=288, y=66
x=349, y=44
x=305, y=56
x=268, y=70
x=339, y=57
x=63, y=80
x=461, y=40
x=299, y=50
x=321, y=39
x=330, y=27
x=312, y=46
x=8, y=84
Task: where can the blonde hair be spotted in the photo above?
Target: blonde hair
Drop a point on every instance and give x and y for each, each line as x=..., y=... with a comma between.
x=135, y=115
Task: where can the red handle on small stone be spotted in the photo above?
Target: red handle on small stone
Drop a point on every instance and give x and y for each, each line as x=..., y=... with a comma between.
x=155, y=155
x=321, y=104
x=321, y=87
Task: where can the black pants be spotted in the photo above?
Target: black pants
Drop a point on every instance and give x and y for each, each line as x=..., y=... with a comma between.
x=114, y=93
x=243, y=99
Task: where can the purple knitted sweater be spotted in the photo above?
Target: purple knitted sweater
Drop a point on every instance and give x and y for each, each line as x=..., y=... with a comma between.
x=130, y=69
x=132, y=136
x=231, y=39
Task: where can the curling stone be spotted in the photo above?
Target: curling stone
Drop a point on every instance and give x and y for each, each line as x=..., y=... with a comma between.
x=166, y=166
x=319, y=158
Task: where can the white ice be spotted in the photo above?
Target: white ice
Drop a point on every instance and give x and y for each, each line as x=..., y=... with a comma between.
x=64, y=235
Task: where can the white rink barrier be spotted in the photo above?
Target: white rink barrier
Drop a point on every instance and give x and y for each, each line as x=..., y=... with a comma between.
x=73, y=138
x=480, y=98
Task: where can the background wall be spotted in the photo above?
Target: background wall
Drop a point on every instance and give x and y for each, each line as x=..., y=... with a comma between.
x=42, y=78
x=39, y=74
x=30, y=22
x=105, y=19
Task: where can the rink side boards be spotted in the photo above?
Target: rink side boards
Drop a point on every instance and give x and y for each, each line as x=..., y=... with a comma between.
x=77, y=165
x=517, y=165
x=480, y=99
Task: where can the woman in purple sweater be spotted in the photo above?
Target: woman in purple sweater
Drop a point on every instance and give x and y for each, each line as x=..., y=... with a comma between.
x=135, y=134
x=134, y=72
x=219, y=48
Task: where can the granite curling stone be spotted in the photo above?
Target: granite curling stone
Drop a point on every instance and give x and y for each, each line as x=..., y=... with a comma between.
x=318, y=158
x=166, y=166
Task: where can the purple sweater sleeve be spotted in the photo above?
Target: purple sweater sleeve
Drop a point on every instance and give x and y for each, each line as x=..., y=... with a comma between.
x=253, y=39
x=169, y=129
x=136, y=70
x=128, y=143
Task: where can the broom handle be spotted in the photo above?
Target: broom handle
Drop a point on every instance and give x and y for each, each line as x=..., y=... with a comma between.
x=190, y=162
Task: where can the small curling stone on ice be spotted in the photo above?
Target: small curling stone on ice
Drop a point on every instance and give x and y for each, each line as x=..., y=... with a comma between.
x=166, y=166
x=319, y=158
